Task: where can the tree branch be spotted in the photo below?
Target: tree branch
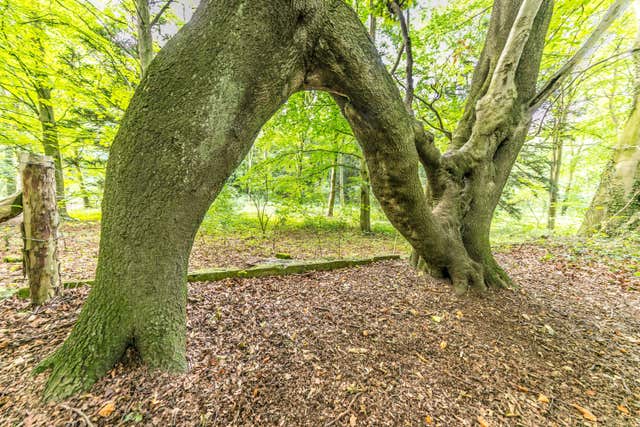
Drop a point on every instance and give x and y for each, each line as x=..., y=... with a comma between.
x=398, y=58
x=164, y=8
x=10, y=207
x=404, y=27
x=586, y=50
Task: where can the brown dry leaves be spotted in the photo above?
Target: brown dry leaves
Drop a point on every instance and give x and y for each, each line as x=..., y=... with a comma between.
x=293, y=351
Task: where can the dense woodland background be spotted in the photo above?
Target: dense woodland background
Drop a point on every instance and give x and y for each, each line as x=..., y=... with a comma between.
x=68, y=69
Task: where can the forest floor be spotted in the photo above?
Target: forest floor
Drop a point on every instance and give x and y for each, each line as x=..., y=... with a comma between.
x=375, y=345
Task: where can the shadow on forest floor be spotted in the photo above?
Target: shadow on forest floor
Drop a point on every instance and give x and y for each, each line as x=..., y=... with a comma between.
x=375, y=345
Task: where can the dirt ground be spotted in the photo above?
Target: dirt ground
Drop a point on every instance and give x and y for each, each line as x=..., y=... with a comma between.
x=376, y=345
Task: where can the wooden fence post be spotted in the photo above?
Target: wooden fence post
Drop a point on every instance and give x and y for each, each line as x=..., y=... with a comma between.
x=40, y=227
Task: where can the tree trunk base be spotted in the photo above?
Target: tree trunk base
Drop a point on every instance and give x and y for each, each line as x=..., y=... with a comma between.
x=466, y=274
x=101, y=338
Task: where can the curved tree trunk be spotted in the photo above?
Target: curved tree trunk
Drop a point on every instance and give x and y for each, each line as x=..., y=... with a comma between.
x=195, y=116
x=189, y=125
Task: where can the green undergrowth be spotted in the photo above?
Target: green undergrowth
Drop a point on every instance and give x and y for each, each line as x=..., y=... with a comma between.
x=247, y=224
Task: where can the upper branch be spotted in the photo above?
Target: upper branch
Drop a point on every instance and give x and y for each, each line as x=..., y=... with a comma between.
x=159, y=14
x=586, y=50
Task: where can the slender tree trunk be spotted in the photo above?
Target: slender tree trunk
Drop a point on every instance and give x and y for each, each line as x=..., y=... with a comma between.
x=408, y=48
x=333, y=187
x=50, y=143
x=40, y=228
x=365, y=198
x=573, y=164
x=341, y=185
x=10, y=168
x=86, y=202
x=555, y=166
x=145, y=37
x=373, y=21
x=554, y=182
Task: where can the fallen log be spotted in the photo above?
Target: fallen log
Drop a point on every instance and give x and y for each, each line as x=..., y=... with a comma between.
x=264, y=270
x=10, y=207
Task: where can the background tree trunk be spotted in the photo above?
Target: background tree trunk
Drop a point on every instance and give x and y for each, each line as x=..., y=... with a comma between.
x=50, y=143
x=9, y=173
x=365, y=198
x=40, y=228
x=333, y=187
x=555, y=167
x=145, y=37
x=615, y=207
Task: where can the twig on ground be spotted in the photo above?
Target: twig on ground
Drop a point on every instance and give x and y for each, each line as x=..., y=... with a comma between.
x=79, y=412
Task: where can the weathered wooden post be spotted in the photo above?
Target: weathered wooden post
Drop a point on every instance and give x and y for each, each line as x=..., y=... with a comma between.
x=40, y=227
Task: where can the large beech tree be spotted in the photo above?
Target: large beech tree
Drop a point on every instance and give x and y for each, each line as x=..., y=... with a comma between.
x=198, y=110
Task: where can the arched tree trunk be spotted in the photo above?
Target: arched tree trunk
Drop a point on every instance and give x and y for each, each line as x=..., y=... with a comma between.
x=190, y=123
x=195, y=116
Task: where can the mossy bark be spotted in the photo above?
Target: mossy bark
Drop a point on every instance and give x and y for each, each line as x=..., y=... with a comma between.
x=190, y=123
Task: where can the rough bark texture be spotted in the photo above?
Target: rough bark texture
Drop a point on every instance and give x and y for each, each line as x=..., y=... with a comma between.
x=40, y=228
x=10, y=207
x=195, y=116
